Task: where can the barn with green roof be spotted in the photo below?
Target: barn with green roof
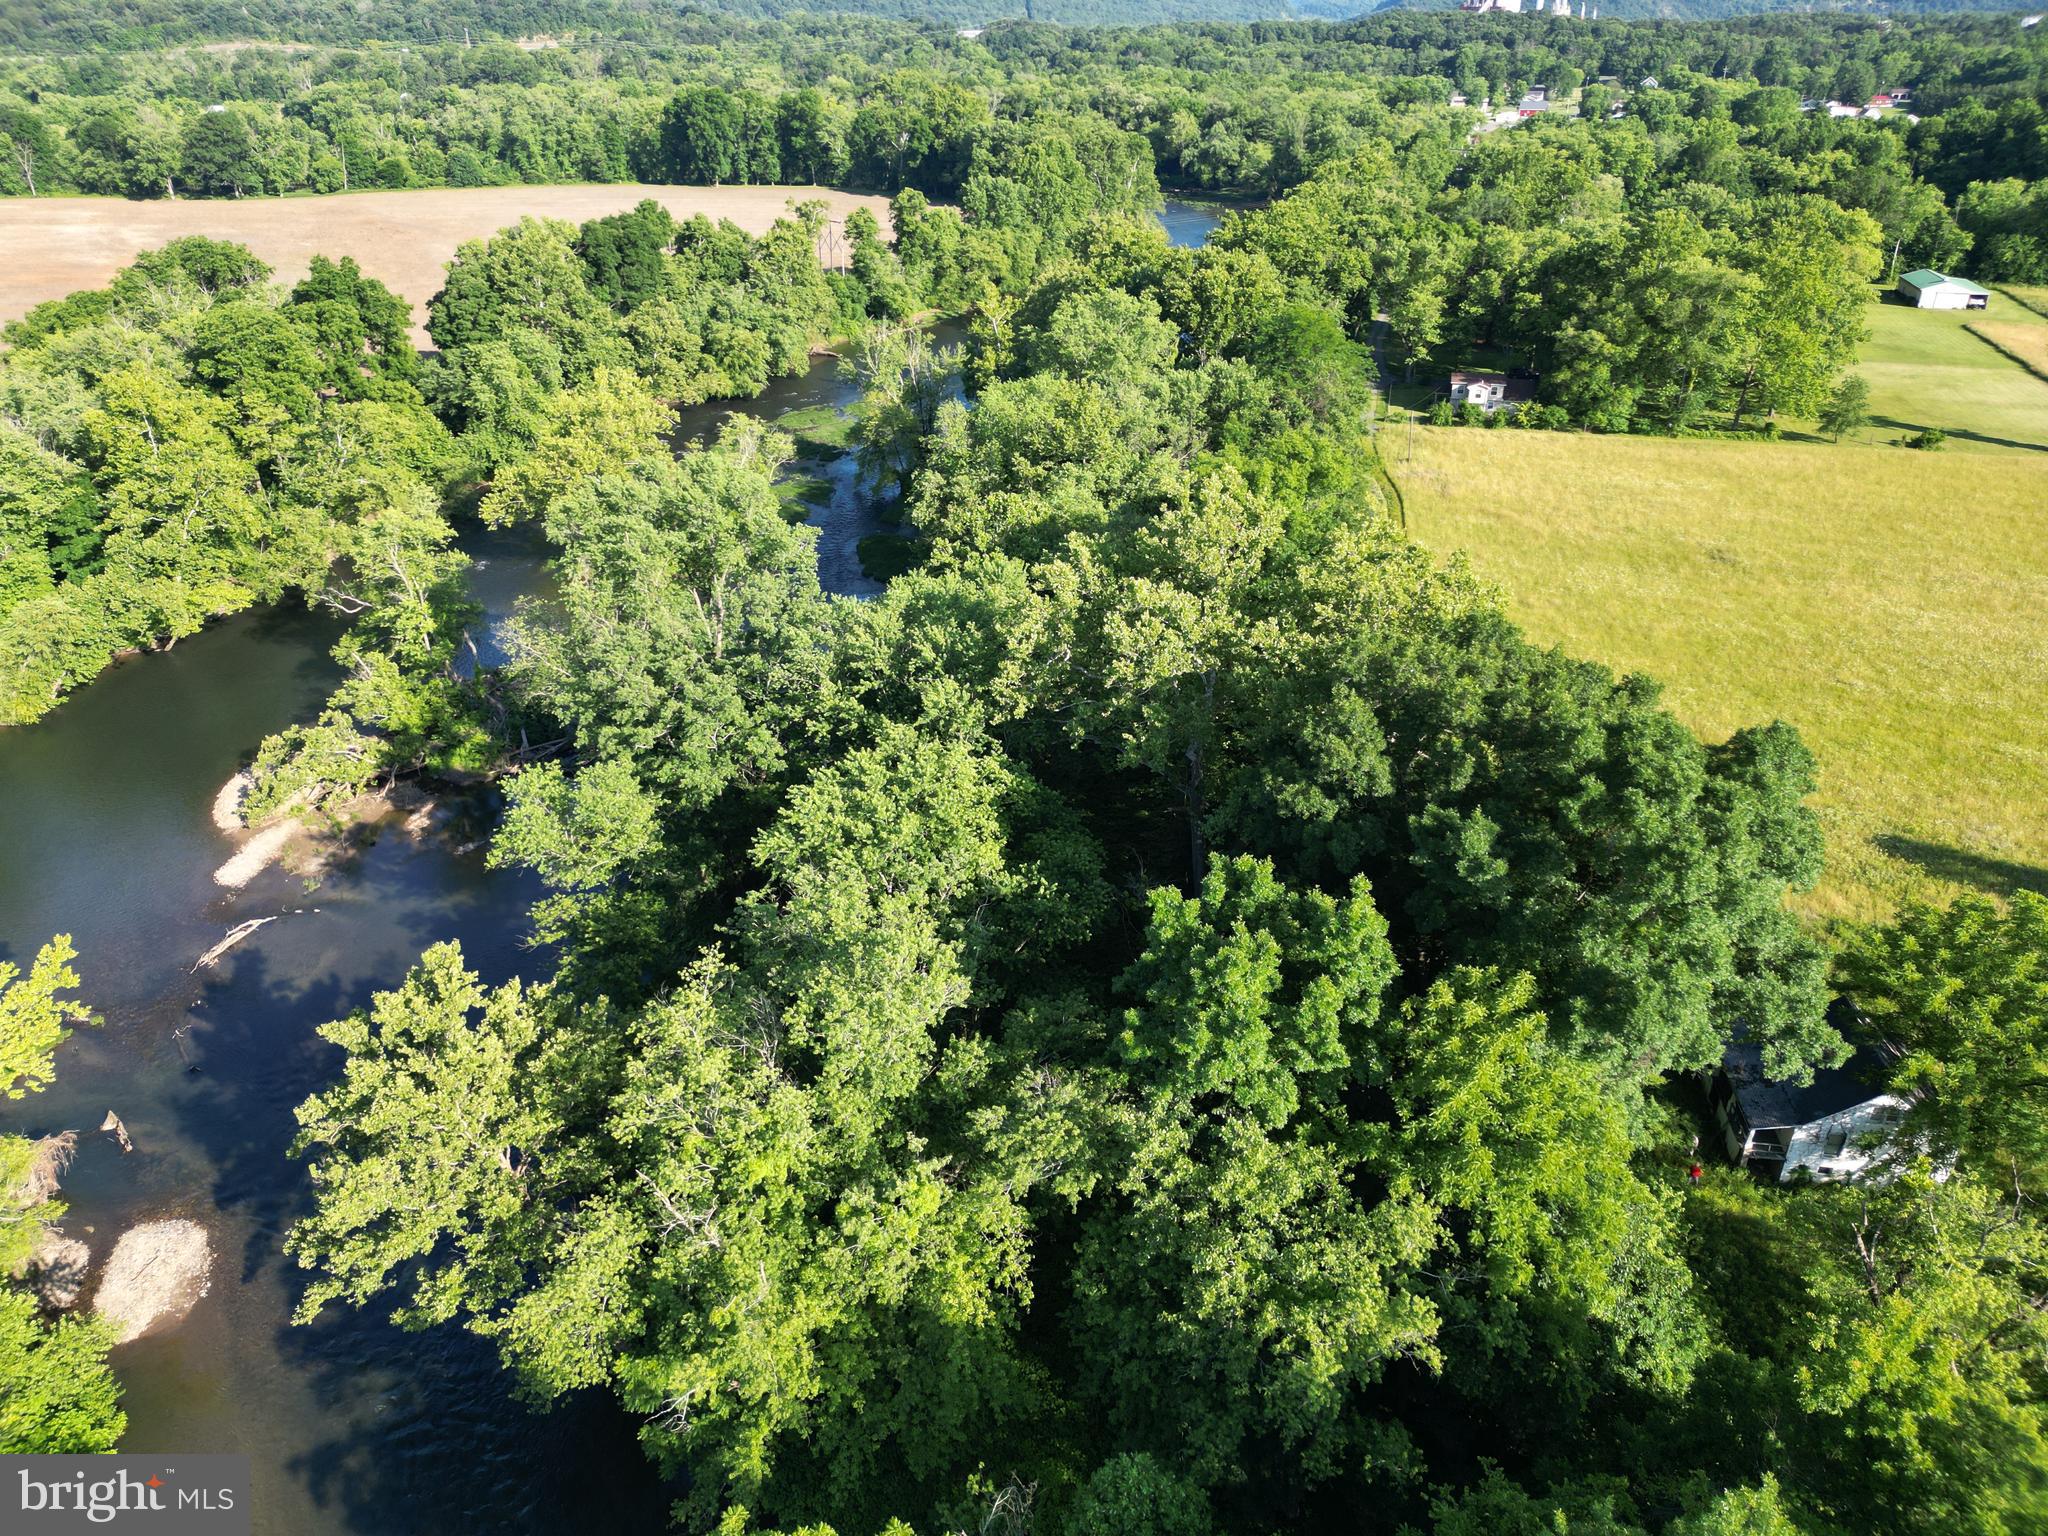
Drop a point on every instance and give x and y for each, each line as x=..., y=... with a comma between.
x=1927, y=289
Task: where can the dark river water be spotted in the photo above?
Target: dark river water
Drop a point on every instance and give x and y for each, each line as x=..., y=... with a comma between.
x=106, y=834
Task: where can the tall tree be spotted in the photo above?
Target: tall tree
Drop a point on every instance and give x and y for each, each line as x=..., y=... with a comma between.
x=1962, y=992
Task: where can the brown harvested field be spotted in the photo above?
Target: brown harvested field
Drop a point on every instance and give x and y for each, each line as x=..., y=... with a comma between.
x=51, y=246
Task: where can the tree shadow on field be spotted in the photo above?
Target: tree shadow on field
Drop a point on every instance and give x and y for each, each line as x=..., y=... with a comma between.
x=1959, y=432
x=2001, y=877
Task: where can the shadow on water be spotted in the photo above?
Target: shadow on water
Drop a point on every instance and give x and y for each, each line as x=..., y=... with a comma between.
x=575, y=1467
x=2001, y=877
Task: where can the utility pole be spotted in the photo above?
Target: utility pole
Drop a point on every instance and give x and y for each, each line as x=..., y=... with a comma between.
x=1892, y=276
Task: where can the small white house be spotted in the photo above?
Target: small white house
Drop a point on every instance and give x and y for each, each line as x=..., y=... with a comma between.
x=1491, y=391
x=1931, y=290
x=1834, y=1127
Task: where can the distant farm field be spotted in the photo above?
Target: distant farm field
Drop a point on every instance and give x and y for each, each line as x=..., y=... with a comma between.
x=51, y=246
x=1889, y=603
x=1925, y=369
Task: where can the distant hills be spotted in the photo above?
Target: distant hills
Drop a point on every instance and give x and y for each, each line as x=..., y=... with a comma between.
x=1711, y=10
x=81, y=25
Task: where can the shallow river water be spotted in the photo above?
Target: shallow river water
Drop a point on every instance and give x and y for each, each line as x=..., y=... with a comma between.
x=106, y=834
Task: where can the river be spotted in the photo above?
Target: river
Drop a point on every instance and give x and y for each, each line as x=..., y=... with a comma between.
x=105, y=833
x=1190, y=224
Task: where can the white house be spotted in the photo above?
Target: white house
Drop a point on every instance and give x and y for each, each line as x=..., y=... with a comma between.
x=1833, y=1128
x=1932, y=290
x=1491, y=391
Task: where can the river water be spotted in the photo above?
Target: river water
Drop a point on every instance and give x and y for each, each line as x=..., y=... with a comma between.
x=1190, y=223
x=105, y=833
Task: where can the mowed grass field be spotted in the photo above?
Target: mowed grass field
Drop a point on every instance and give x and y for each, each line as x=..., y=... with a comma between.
x=1925, y=369
x=1891, y=604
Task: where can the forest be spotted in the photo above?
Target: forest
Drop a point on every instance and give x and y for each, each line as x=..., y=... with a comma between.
x=1177, y=1017
x=1229, y=111
x=136, y=24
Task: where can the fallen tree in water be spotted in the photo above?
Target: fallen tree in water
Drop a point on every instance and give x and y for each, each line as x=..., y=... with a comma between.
x=235, y=935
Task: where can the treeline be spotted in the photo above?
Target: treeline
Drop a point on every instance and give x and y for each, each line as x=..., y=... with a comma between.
x=1176, y=1017
x=187, y=443
x=1646, y=282
x=121, y=25
x=118, y=25
x=1226, y=110
x=1945, y=60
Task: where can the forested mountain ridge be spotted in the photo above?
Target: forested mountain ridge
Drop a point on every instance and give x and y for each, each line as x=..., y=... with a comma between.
x=66, y=25
x=75, y=25
x=1712, y=10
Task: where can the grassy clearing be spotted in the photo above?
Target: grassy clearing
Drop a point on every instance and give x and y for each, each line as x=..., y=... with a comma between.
x=1926, y=369
x=1888, y=603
